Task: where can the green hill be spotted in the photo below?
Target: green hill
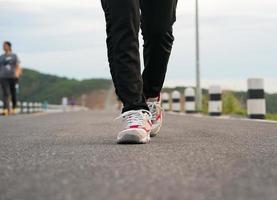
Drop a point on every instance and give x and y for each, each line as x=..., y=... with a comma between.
x=36, y=86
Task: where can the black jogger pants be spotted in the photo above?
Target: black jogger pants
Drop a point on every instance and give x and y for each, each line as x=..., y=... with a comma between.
x=9, y=91
x=123, y=20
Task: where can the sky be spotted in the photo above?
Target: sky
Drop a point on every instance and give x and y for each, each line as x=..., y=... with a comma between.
x=238, y=40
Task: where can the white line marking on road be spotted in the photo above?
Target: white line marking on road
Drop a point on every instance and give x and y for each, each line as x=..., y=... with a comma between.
x=224, y=117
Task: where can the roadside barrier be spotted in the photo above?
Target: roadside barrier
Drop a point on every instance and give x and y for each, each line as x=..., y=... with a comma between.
x=36, y=107
x=30, y=108
x=176, y=101
x=18, y=110
x=64, y=103
x=256, y=104
x=1, y=106
x=24, y=107
x=165, y=101
x=215, y=100
x=190, y=100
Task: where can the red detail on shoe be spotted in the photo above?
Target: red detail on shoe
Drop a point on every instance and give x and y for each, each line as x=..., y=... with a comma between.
x=147, y=130
x=137, y=126
x=158, y=116
x=159, y=97
x=134, y=126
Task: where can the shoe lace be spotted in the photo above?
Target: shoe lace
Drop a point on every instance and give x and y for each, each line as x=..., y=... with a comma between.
x=153, y=107
x=135, y=117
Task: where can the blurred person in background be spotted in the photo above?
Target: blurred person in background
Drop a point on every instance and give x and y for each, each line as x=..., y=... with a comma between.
x=72, y=102
x=140, y=94
x=10, y=73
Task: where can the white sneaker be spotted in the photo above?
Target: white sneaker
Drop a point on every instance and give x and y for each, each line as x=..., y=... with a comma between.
x=137, y=127
x=156, y=110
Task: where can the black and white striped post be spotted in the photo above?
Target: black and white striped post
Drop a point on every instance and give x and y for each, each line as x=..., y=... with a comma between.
x=256, y=104
x=18, y=109
x=176, y=101
x=165, y=101
x=30, y=107
x=190, y=106
x=24, y=107
x=1, y=107
x=215, y=100
x=64, y=104
x=40, y=107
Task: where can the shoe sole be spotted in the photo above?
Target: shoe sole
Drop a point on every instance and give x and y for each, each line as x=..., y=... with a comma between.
x=155, y=130
x=154, y=133
x=132, y=137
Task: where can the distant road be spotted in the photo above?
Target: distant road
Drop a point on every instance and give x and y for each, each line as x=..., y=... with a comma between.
x=68, y=156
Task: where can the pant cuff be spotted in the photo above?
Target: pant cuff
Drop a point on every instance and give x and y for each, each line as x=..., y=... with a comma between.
x=135, y=107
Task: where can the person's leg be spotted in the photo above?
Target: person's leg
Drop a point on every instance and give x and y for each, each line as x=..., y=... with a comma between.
x=123, y=21
x=5, y=92
x=13, y=83
x=157, y=17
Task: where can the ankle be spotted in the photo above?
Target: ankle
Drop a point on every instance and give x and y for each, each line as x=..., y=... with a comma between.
x=153, y=99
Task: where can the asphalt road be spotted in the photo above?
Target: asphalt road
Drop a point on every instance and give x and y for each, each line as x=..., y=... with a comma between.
x=74, y=156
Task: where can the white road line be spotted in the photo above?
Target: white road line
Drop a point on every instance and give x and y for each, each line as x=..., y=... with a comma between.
x=224, y=117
